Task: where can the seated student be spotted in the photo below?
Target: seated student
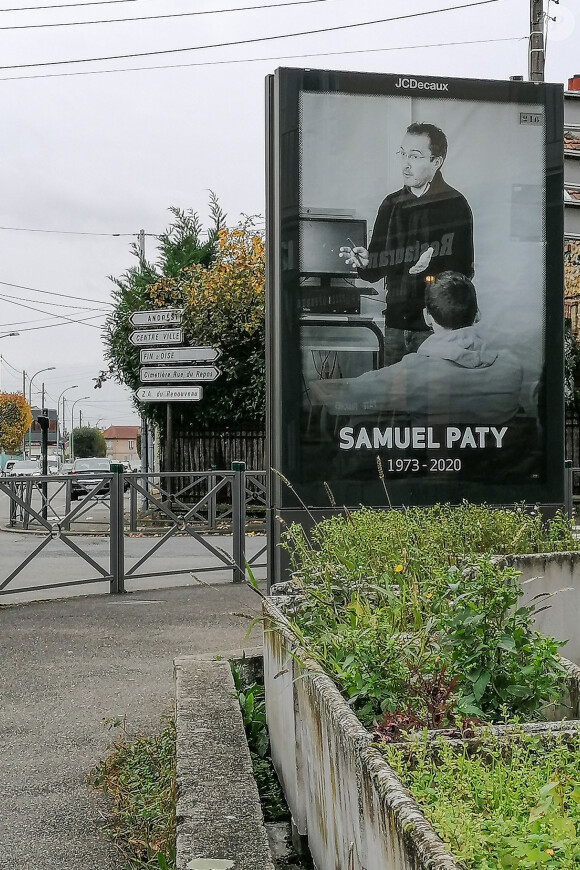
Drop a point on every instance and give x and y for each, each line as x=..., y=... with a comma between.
x=452, y=378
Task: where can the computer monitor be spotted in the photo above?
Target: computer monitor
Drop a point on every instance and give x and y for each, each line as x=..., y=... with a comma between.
x=321, y=238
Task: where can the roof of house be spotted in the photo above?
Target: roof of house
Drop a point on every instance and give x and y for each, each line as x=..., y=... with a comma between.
x=121, y=432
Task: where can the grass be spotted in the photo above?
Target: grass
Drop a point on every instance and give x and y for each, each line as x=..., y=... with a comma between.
x=514, y=803
x=138, y=775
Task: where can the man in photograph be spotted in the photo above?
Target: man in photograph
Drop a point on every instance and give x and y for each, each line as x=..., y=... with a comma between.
x=422, y=229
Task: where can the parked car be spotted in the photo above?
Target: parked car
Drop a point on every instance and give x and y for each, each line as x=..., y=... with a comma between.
x=28, y=467
x=66, y=467
x=9, y=465
x=88, y=473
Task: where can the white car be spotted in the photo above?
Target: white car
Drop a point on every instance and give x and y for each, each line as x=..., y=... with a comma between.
x=28, y=467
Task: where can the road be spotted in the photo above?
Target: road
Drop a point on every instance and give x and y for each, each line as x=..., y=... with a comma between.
x=181, y=559
x=92, y=517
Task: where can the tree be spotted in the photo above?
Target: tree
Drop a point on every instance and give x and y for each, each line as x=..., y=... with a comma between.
x=180, y=246
x=15, y=421
x=88, y=442
x=224, y=308
x=220, y=285
x=571, y=372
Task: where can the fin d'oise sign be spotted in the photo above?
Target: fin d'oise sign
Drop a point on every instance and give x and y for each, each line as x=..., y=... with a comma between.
x=180, y=354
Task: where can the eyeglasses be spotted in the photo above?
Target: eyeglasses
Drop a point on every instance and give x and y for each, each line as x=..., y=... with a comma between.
x=413, y=157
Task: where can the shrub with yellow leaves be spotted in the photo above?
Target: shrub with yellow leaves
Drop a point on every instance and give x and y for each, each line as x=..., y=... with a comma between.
x=224, y=308
x=15, y=420
x=218, y=278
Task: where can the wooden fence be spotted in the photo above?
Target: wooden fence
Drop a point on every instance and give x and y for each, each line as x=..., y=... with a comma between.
x=201, y=451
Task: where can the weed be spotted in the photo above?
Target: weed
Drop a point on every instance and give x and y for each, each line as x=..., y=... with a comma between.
x=253, y=708
x=139, y=776
x=492, y=646
x=386, y=610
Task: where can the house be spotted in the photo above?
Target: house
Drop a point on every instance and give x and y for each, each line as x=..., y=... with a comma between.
x=122, y=443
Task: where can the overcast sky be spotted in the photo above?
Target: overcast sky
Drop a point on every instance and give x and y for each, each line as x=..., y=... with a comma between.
x=94, y=150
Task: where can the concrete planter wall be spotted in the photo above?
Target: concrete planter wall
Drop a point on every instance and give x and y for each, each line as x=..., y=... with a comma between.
x=342, y=794
x=555, y=572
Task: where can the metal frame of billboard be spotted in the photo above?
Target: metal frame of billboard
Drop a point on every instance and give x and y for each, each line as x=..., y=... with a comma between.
x=465, y=102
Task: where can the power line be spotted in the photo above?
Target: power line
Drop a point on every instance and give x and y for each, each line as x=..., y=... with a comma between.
x=5, y=361
x=66, y=323
x=54, y=293
x=65, y=5
x=98, y=72
x=52, y=304
x=50, y=314
x=22, y=323
x=253, y=40
x=168, y=15
x=72, y=232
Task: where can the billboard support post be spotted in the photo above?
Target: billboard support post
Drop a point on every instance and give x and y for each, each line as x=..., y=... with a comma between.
x=239, y=520
x=568, y=489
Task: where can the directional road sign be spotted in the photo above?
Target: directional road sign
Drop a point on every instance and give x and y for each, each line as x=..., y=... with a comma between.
x=170, y=394
x=145, y=337
x=181, y=354
x=174, y=374
x=160, y=317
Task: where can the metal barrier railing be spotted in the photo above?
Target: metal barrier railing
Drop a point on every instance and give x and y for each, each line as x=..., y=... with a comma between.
x=206, y=497
x=30, y=504
x=199, y=502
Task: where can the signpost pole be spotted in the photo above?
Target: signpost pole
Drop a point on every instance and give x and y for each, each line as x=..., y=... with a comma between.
x=144, y=457
x=169, y=446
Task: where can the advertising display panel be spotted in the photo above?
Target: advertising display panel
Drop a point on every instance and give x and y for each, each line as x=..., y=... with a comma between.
x=415, y=290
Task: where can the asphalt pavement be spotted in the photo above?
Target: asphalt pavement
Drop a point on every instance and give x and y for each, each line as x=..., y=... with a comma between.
x=69, y=664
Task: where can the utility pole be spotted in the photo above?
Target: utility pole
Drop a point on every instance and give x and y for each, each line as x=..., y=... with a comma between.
x=536, y=56
x=144, y=427
x=24, y=394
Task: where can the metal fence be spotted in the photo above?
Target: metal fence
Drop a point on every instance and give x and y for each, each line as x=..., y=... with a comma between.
x=156, y=507
x=572, y=447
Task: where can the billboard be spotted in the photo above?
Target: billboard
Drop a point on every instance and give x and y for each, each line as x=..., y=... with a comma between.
x=415, y=290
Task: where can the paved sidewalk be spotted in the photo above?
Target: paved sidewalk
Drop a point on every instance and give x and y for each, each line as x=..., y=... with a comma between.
x=67, y=665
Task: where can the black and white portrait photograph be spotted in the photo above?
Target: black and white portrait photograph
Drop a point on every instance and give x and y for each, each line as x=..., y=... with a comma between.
x=421, y=276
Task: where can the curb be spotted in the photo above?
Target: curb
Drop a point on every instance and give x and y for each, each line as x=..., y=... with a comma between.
x=219, y=816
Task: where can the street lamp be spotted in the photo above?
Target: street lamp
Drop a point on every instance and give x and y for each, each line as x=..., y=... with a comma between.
x=39, y=372
x=72, y=426
x=74, y=387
